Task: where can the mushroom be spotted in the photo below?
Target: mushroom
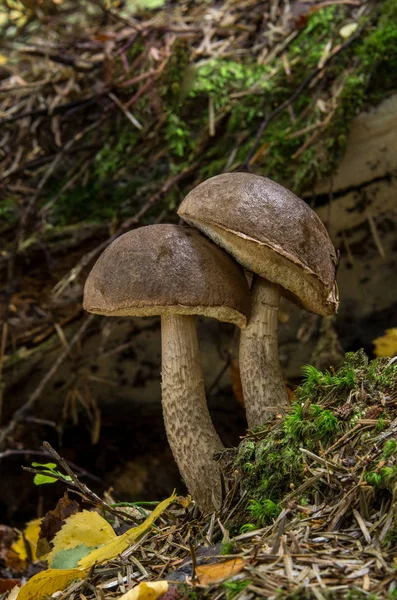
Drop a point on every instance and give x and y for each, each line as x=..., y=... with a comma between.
x=177, y=273
x=278, y=237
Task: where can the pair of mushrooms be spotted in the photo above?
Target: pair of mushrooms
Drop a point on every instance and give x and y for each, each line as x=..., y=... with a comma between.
x=177, y=272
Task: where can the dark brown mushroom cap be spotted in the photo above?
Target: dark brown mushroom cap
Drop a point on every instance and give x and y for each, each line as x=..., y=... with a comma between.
x=271, y=232
x=167, y=269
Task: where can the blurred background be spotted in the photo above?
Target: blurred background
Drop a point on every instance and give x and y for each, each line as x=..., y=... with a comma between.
x=110, y=112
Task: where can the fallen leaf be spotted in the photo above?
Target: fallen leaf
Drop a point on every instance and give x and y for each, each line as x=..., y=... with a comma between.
x=216, y=572
x=8, y=584
x=184, y=501
x=29, y=537
x=53, y=521
x=117, y=546
x=86, y=528
x=47, y=582
x=386, y=345
x=347, y=30
x=69, y=559
x=74, y=533
x=3, y=59
x=13, y=595
x=146, y=591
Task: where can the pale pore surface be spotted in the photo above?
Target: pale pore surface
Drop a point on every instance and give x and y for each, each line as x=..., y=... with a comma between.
x=221, y=313
x=188, y=424
x=260, y=370
x=259, y=210
x=300, y=283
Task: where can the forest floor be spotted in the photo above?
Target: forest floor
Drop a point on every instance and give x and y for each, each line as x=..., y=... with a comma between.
x=310, y=512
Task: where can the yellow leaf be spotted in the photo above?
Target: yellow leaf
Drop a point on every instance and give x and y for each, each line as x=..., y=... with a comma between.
x=15, y=14
x=3, y=57
x=386, y=345
x=31, y=535
x=43, y=584
x=119, y=544
x=347, y=30
x=3, y=18
x=216, y=572
x=84, y=528
x=146, y=591
x=184, y=501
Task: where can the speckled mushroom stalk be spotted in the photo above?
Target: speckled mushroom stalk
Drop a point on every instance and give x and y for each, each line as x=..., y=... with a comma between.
x=280, y=239
x=177, y=273
x=260, y=370
x=190, y=431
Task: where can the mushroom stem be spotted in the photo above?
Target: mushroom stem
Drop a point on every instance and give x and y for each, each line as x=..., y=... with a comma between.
x=261, y=375
x=190, y=431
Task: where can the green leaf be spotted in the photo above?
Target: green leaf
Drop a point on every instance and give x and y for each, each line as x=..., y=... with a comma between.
x=48, y=469
x=68, y=559
x=40, y=479
x=46, y=466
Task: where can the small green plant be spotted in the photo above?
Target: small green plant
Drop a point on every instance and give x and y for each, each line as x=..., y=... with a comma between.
x=177, y=135
x=312, y=421
x=312, y=379
x=235, y=587
x=389, y=449
x=227, y=547
x=247, y=527
x=383, y=477
x=263, y=511
x=249, y=467
x=47, y=471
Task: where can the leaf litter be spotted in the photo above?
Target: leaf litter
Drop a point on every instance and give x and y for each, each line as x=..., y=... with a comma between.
x=328, y=528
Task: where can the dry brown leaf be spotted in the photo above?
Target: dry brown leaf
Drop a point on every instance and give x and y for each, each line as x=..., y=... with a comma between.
x=8, y=584
x=236, y=381
x=53, y=521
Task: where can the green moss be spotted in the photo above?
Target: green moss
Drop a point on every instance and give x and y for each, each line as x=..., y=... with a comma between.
x=8, y=210
x=316, y=380
x=389, y=449
x=178, y=76
x=263, y=511
x=243, y=93
x=178, y=136
x=327, y=405
x=227, y=548
x=233, y=588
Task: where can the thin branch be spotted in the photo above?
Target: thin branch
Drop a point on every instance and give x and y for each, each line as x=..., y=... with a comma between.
x=6, y=431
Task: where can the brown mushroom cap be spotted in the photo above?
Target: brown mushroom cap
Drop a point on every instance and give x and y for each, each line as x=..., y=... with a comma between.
x=167, y=269
x=271, y=232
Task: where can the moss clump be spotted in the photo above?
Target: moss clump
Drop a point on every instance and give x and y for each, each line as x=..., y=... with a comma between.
x=233, y=588
x=298, y=148
x=273, y=461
